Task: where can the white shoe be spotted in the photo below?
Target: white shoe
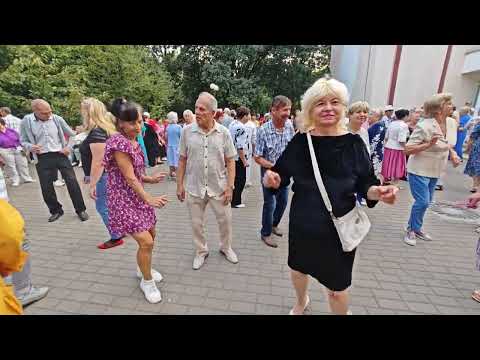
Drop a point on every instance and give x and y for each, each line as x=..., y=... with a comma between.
x=423, y=236
x=198, y=261
x=307, y=304
x=149, y=288
x=16, y=183
x=31, y=180
x=59, y=183
x=410, y=238
x=240, y=206
x=349, y=312
x=230, y=255
x=155, y=275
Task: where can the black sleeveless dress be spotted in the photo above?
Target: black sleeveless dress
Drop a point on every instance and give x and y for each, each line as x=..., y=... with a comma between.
x=346, y=169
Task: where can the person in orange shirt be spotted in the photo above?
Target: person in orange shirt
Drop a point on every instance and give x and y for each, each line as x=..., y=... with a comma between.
x=12, y=257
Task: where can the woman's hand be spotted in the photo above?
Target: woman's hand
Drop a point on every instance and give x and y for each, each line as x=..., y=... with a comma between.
x=156, y=178
x=473, y=199
x=93, y=192
x=384, y=193
x=433, y=140
x=271, y=179
x=157, y=201
x=455, y=159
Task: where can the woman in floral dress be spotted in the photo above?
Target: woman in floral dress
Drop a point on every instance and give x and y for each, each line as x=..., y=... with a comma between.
x=473, y=164
x=376, y=135
x=130, y=207
x=473, y=200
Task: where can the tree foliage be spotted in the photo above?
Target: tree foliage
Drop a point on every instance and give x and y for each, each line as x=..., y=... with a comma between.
x=63, y=75
x=246, y=74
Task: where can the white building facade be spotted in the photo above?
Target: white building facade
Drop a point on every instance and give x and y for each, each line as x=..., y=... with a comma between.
x=406, y=75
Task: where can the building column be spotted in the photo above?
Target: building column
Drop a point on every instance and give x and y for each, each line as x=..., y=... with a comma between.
x=445, y=68
x=393, y=80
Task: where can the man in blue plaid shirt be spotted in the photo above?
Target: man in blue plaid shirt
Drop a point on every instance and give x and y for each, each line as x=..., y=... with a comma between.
x=272, y=139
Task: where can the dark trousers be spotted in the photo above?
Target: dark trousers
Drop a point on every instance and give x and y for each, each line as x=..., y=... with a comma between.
x=47, y=167
x=240, y=178
x=274, y=205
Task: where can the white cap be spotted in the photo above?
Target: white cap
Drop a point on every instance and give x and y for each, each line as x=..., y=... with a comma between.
x=389, y=108
x=146, y=114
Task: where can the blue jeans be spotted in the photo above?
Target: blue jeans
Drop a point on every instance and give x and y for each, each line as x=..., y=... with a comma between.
x=274, y=205
x=422, y=189
x=101, y=203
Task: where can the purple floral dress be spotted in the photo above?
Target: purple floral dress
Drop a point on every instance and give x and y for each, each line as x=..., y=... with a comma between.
x=127, y=212
x=478, y=255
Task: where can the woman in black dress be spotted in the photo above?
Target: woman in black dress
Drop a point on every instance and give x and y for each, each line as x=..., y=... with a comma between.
x=346, y=169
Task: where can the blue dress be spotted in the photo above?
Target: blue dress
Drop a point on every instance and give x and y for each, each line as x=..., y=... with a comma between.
x=464, y=119
x=376, y=135
x=473, y=164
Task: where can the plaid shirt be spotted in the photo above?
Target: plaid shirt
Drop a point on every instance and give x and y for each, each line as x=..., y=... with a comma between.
x=271, y=143
x=12, y=122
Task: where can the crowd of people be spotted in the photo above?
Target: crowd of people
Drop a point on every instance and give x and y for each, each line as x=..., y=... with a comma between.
x=338, y=158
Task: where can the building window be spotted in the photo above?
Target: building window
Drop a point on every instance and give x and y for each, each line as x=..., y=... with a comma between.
x=476, y=103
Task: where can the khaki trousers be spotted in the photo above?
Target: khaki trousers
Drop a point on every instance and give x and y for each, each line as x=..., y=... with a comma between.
x=16, y=165
x=223, y=213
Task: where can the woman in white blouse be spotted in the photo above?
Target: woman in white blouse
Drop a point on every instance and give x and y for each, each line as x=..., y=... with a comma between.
x=428, y=148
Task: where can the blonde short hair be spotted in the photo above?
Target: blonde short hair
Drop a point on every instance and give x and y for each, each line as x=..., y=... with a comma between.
x=321, y=88
x=358, y=106
x=435, y=103
x=465, y=110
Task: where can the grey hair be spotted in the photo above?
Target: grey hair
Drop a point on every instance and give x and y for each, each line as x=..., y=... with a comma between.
x=172, y=117
x=213, y=101
x=226, y=111
x=6, y=110
x=187, y=112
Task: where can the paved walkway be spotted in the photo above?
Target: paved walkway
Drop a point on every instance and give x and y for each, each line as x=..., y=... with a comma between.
x=390, y=277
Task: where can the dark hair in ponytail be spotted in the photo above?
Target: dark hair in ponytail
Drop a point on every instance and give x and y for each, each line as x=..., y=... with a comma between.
x=124, y=110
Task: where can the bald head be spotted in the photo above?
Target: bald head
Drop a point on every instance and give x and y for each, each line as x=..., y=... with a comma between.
x=41, y=109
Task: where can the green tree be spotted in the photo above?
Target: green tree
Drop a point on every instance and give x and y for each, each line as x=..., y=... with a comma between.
x=246, y=74
x=63, y=75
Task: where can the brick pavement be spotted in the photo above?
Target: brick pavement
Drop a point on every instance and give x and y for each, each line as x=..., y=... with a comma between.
x=390, y=277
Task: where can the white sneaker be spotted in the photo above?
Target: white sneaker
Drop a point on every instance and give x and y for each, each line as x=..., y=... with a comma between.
x=35, y=294
x=230, y=255
x=423, y=236
x=59, y=183
x=149, y=288
x=155, y=275
x=198, y=261
x=31, y=180
x=410, y=238
x=16, y=183
x=240, y=206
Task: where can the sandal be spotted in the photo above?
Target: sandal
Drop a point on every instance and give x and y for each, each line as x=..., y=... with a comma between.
x=304, y=309
x=476, y=295
x=110, y=244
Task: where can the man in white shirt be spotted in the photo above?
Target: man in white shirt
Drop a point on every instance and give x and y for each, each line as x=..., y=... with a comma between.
x=239, y=136
x=251, y=139
x=388, y=117
x=207, y=165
